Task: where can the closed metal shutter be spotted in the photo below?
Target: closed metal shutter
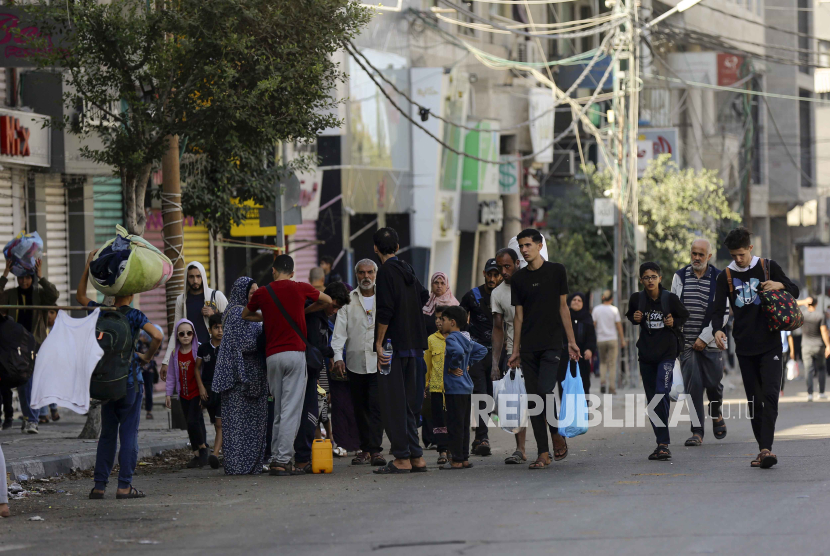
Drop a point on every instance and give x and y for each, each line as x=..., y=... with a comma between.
x=56, y=249
x=12, y=203
x=154, y=303
x=108, y=208
x=306, y=258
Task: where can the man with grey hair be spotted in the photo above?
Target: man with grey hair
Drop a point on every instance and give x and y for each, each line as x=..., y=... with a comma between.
x=354, y=330
x=701, y=361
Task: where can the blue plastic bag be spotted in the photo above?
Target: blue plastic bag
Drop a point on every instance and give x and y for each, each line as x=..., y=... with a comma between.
x=573, y=413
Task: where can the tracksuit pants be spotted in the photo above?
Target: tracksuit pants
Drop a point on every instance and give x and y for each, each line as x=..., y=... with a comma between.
x=762, y=378
x=703, y=370
x=657, y=380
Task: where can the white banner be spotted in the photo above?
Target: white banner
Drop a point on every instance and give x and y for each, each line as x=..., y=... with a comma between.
x=24, y=138
x=541, y=130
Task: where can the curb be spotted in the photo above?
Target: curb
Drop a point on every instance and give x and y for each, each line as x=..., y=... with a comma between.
x=50, y=466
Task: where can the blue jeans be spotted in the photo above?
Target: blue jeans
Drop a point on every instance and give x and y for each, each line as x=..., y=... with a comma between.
x=119, y=419
x=25, y=394
x=657, y=381
x=44, y=411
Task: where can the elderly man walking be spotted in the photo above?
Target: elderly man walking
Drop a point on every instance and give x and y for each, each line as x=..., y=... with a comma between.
x=354, y=331
x=400, y=298
x=701, y=361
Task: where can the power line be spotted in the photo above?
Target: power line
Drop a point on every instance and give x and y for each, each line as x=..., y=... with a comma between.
x=736, y=90
x=768, y=26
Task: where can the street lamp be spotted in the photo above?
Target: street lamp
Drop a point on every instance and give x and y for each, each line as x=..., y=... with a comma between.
x=682, y=6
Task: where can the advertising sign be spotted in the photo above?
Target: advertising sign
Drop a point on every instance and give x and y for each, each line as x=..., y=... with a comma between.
x=654, y=141
x=24, y=138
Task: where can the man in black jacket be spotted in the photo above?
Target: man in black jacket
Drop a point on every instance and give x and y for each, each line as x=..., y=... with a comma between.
x=317, y=325
x=400, y=298
x=758, y=348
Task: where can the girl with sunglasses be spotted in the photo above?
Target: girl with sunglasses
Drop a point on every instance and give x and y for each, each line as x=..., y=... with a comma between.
x=183, y=379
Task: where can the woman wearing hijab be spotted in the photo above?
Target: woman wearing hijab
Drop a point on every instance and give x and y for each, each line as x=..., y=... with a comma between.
x=440, y=295
x=240, y=379
x=586, y=339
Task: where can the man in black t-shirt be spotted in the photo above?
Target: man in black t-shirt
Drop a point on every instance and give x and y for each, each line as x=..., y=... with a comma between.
x=477, y=304
x=542, y=322
x=758, y=348
x=815, y=348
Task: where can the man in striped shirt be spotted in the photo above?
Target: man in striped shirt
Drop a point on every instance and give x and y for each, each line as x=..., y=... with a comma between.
x=701, y=361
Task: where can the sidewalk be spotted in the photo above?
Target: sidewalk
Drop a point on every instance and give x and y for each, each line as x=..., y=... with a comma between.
x=57, y=450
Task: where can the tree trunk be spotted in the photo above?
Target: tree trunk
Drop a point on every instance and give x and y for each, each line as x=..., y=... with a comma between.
x=134, y=188
x=171, y=212
x=92, y=427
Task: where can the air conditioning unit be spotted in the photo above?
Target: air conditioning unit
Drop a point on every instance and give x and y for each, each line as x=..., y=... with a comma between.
x=563, y=164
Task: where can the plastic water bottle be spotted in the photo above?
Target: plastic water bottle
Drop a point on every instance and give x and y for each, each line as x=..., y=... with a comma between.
x=387, y=352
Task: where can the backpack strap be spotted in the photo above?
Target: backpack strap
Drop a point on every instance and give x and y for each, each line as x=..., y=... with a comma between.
x=641, y=303
x=665, y=304
x=477, y=295
x=765, y=263
x=729, y=282
x=213, y=298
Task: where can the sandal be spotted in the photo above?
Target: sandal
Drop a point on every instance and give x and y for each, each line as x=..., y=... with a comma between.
x=719, y=428
x=767, y=459
x=134, y=493
x=695, y=440
x=515, y=459
x=284, y=470
x=541, y=462
x=756, y=462
x=42, y=420
x=442, y=458
x=378, y=460
x=390, y=469
x=95, y=495
x=362, y=458
x=418, y=469
x=449, y=467
x=660, y=453
x=55, y=415
x=483, y=448
x=559, y=455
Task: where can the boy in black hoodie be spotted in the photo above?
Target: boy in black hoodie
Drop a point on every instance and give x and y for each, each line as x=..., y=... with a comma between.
x=758, y=348
x=399, y=300
x=658, y=345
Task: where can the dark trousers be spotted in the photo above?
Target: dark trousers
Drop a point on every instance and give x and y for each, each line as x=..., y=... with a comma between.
x=657, y=379
x=762, y=378
x=703, y=370
x=400, y=404
x=439, y=421
x=148, y=390
x=310, y=418
x=8, y=408
x=584, y=372
x=482, y=384
x=24, y=394
x=119, y=420
x=192, y=410
x=423, y=418
x=364, y=392
x=816, y=367
x=458, y=425
x=541, y=373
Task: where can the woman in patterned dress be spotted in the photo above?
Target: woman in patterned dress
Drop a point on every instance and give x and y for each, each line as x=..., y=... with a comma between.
x=240, y=378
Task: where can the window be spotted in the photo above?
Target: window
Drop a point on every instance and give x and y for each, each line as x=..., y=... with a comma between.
x=805, y=125
x=803, y=40
x=824, y=54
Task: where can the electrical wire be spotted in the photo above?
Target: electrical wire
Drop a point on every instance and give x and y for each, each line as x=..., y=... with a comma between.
x=768, y=26
x=784, y=144
x=735, y=90
x=572, y=26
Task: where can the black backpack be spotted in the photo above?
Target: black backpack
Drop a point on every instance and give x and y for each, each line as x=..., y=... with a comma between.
x=114, y=335
x=17, y=353
x=665, y=307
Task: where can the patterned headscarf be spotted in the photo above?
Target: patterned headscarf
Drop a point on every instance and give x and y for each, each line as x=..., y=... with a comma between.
x=239, y=337
x=446, y=300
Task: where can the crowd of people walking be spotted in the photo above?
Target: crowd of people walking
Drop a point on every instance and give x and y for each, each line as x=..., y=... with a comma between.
x=273, y=363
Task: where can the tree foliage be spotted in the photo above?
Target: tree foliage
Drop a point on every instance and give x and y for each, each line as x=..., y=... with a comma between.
x=676, y=207
x=231, y=76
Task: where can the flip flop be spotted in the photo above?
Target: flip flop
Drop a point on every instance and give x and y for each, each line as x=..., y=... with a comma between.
x=719, y=428
x=562, y=455
x=390, y=469
x=421, y=469
x=695, y=440
x=768, y=459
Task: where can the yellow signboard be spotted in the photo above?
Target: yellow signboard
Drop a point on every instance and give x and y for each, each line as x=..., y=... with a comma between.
x=250, y=225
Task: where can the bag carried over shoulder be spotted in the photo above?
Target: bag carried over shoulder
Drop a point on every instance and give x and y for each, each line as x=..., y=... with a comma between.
x=573, y=413
x=17, y=353
x=137, y=266
x=313, y=357
x=780, y=307
x=114, y=335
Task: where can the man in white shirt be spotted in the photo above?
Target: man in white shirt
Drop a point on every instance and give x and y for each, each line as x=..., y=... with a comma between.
x=354, y=330
x=609, y=339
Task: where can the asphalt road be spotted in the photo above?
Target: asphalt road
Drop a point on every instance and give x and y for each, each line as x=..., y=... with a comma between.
x=605, y=498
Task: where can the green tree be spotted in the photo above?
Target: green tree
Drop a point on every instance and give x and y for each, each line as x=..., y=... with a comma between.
x=230, y=76
x=677, y=206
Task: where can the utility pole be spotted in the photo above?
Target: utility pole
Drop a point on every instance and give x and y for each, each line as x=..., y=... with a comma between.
x=171, y=212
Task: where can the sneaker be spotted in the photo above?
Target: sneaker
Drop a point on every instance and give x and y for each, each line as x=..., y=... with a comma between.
x=31, y=427
x=822, y=396
x=213, y=461
x=602, y=389
x=809, y=397
x=195, y=463
x=7, y=424
x=203, y=456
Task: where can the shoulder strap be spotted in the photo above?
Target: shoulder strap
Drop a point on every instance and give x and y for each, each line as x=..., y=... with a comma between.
x=477, y=294
x=641, y=305
x=124, y=309
x=291, y=322
x=765, y=263
x=664, y=303
x=212, y=297
x=729, y=281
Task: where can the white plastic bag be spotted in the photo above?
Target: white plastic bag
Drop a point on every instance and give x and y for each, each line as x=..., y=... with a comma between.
x=792, y=369
x=677, y=382
x=511, y=389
